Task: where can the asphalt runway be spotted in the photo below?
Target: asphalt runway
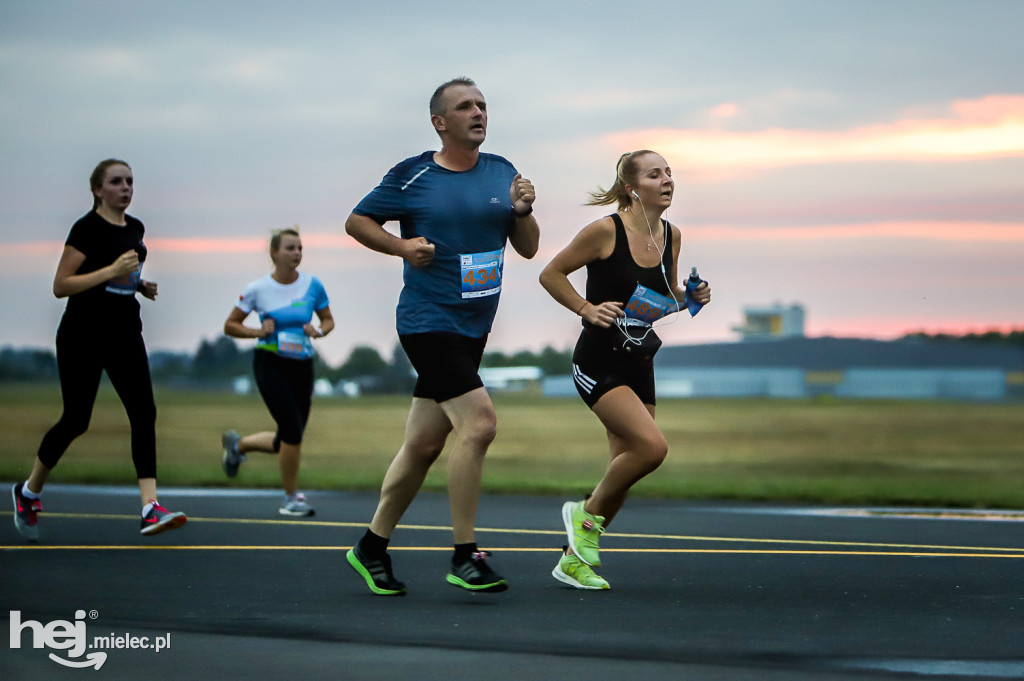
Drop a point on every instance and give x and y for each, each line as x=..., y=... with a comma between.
x=708, y=591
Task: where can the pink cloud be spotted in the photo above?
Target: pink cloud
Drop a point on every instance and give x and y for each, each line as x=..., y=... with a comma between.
x=207, y=245
x=941, y=208
x=965, y=231
x=989, y=127
x=974, y=232
x=726, y=110
x=317, y=240
x=889, y=328
x=23, y=249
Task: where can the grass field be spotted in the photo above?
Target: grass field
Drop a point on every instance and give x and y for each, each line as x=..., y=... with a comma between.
x=921, y=453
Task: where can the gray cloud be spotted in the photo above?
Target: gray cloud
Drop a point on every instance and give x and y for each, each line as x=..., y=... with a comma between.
x=242, y=117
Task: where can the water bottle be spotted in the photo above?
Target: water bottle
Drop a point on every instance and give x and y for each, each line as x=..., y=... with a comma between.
x=691, y=285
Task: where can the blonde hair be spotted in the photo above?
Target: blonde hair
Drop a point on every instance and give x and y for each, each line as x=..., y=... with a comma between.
x=626, y=171
x=278, y=234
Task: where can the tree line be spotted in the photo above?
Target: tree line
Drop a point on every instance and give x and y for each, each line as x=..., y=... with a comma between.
x=216, y=362
x=1013, y=338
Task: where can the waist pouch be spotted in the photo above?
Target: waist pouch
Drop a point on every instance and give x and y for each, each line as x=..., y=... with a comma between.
x=643, y=342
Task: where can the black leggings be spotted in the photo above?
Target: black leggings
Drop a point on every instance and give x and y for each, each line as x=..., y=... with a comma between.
x=84, y=351
x=286, y=386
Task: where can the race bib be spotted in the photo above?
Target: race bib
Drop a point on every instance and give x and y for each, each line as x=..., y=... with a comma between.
x=646, y=307
x=481, y=273
x=294, y=344
x=126, y=285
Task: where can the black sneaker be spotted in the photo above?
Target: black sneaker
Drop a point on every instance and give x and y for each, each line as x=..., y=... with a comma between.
x=476, y=575
x=25, y=513
x=159, y=519
x=376, y=572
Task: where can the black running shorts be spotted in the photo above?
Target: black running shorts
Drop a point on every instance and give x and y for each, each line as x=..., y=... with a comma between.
x=447, y=364
x=597, y=367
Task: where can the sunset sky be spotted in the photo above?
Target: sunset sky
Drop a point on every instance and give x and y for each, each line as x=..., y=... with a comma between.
x=864, y=159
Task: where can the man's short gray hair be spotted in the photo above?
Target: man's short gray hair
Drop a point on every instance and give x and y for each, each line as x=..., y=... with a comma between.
x=438, y=96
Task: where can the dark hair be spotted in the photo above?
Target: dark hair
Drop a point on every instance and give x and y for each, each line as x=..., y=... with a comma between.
x=625, y=173
x=278, y=234
x=435, y=99
x=99, y=174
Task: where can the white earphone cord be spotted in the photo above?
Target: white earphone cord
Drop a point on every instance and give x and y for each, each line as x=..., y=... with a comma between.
x=661, y=263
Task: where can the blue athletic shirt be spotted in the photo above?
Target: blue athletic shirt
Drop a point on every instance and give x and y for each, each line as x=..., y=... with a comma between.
x=291, y=306
x=467, y=216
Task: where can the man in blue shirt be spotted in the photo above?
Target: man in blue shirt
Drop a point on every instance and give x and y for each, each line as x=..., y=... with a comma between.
x=456, y=208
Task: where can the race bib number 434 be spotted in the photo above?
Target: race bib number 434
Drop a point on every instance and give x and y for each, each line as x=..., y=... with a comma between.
x=481, y=273
x=647, y=306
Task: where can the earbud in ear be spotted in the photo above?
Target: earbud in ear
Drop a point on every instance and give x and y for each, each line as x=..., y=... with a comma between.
x=636, y=195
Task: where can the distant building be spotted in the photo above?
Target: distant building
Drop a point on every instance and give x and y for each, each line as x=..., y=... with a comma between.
x=776, y=321
x=511, y=379
x=842, y=367
x=347, y=388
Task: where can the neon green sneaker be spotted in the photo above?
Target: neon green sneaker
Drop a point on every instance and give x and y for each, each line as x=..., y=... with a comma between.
x=574, y=572
x=583, y=530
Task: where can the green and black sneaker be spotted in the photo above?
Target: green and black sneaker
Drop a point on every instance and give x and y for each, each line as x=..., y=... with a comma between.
x=376, y=572
x=475, y=574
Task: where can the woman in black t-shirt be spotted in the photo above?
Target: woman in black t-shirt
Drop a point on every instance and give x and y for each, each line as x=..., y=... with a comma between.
x=631, y=258
x=99, y=273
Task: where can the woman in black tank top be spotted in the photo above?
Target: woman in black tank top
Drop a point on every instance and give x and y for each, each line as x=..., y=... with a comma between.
x=631, y=258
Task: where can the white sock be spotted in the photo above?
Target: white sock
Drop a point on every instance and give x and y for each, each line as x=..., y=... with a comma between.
x=27, y=493
x=147, y=508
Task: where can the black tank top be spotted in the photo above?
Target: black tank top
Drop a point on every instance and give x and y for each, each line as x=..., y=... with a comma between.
x=615, y=278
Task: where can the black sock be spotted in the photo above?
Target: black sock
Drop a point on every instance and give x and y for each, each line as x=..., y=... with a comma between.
x=372, y=545
x=464, y=552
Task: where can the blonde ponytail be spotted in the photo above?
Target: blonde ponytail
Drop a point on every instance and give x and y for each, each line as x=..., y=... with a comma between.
x=625, y=174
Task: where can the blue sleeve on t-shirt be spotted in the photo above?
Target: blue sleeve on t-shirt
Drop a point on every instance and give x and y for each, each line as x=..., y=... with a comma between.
x=318, y=295
x=467, y=216
x=387, y=201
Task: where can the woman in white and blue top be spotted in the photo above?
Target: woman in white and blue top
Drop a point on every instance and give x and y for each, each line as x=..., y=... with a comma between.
x=285, y=301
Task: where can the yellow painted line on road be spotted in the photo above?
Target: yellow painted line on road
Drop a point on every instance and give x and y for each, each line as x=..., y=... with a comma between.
x=795, y=552
x=516, y=531
x=193, y=519
x=815, y=542
x=759, y=552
